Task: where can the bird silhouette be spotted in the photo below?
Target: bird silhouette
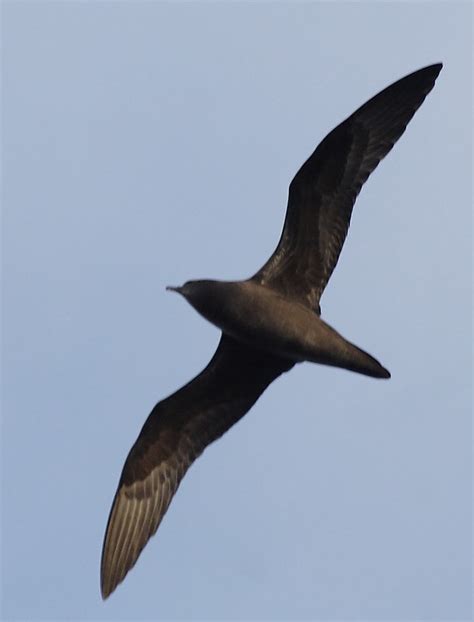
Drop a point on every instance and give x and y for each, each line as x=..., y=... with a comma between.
x=269, y=322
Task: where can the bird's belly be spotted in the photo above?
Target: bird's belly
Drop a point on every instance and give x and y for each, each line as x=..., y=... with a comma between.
x=267, y=320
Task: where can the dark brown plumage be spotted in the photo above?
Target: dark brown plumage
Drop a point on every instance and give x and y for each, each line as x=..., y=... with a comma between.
x=323, y=192
x=174, y=435
x=256, y=347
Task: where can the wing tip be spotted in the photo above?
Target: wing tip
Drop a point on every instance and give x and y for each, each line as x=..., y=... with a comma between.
x=108, y=582
x=108, y=585
x=434, y=67
x=105, y=591
x=421, y=80
x=432, y=70
x=109, y=577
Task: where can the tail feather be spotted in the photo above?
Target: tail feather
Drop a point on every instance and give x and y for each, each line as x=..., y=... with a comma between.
x=359, y=361
x=328, y=347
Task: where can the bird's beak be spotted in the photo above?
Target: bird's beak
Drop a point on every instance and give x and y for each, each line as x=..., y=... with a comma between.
x=170, y=288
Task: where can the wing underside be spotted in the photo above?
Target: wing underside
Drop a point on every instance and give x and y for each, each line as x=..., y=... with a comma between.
x=323, y=192
x=176, y=432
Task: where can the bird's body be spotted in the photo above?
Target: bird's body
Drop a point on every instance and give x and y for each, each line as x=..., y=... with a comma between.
x=262, y=317
x=269, y=322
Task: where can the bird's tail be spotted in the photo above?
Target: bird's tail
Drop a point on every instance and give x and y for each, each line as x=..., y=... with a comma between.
x=330, y=348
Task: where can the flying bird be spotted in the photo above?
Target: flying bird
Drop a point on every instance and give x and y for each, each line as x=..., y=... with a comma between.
x=269, y=322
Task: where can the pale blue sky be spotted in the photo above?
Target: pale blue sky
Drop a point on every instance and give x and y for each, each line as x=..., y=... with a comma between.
x=147, y=143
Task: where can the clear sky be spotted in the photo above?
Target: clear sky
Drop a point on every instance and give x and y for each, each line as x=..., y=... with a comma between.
x=147, y=143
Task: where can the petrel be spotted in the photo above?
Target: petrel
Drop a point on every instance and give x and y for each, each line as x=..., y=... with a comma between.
x=269, y=322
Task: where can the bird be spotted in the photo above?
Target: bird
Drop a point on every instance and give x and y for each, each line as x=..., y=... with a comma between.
x=269, y=322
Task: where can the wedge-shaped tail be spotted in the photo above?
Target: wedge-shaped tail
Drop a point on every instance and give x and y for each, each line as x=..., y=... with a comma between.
x=326, y=346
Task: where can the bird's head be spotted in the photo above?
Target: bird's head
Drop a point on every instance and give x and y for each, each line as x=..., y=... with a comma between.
x=190, y=290
x=202, y=295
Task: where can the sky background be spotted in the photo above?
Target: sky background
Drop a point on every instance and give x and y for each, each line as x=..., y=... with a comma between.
x=147, y=143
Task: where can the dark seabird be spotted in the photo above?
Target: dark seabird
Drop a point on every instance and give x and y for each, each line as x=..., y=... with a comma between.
x=269, y=322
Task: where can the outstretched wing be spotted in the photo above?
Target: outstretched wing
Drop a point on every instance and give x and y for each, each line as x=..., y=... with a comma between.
x=323, y=192
x=176, y=432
